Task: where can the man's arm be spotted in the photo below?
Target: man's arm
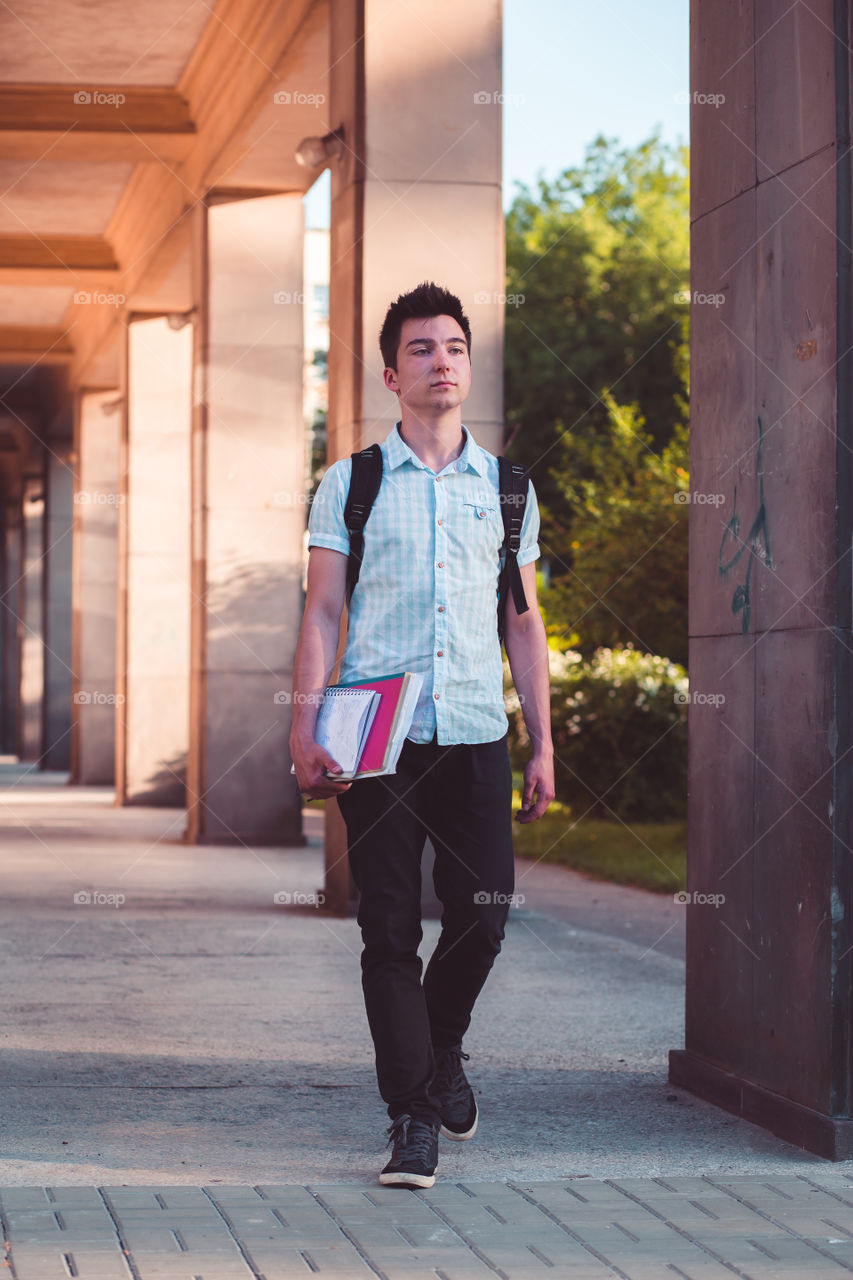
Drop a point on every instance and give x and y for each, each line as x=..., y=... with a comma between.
x=315, y=657
x=527, y=652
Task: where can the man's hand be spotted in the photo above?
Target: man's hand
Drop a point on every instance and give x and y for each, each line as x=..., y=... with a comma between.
x=310, y=760
x=538, y=782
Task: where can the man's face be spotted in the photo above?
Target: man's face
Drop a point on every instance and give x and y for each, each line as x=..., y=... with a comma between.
x=433, y=370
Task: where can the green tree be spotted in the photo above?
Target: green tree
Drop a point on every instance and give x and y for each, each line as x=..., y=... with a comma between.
x=627, y=582
x=599, y=257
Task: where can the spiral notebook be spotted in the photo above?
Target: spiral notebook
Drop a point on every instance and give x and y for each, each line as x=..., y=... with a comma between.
x=343, y=724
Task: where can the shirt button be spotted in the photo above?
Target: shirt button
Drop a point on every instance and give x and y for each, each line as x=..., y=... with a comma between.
x=436, y=696
x=441, y=608
x=441, y=564
x=441, y=522
x=437, y=478
x=440, y=653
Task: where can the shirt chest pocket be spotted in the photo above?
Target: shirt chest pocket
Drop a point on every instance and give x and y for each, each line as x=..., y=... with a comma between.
x=481, y=525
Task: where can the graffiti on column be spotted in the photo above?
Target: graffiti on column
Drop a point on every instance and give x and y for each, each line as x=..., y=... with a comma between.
x=756, y=542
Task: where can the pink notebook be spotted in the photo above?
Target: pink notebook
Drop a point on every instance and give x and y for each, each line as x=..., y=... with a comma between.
x=398, y=698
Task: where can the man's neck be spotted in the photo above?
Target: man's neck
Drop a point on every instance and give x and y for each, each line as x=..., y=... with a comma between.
x=436, y=443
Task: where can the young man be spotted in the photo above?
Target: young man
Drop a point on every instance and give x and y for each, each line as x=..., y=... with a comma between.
x=426, y=602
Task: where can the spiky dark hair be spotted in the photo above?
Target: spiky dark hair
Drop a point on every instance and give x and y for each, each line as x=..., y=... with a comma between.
x=419, y=304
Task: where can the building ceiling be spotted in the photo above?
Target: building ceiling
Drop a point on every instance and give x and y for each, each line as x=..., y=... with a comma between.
x=81, y=43
x=116, y=119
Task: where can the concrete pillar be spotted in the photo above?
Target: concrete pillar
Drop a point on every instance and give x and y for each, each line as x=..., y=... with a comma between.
x=152, y=676
x=31, y=621
x=248, y=521
x=59, y=487
x=415, y=196
x=770, y=872
x=94, y=586
x=9, y=690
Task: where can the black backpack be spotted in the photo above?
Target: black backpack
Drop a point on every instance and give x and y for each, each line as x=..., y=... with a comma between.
x=513, y=483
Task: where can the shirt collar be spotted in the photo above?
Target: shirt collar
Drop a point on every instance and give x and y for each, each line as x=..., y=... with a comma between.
x=396, y=452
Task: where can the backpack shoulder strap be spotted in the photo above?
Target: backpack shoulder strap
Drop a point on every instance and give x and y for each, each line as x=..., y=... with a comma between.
x=514, y=481
x=364, y=486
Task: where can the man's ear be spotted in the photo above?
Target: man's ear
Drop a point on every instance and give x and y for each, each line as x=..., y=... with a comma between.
x=390, y=377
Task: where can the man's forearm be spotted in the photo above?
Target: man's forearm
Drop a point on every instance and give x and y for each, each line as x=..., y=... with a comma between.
x=312, y=667
x=527, y=653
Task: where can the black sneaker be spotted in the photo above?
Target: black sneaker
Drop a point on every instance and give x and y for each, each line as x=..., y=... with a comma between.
x=455, y=1096
x=415, y=1153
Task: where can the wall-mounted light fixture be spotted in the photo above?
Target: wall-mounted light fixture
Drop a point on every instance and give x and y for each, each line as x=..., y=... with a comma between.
x=178, y=319
x=316, y=153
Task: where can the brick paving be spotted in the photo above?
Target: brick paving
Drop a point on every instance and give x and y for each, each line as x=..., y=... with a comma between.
x=696, y=1228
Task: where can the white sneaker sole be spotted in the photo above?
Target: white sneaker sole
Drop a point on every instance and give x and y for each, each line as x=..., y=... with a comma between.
x=462, y=1137
x=401, y=1179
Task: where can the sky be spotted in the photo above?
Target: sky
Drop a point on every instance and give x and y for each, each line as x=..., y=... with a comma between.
x=575, y=69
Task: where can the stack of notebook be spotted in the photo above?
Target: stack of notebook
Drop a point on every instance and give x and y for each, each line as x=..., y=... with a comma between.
x=363, y=725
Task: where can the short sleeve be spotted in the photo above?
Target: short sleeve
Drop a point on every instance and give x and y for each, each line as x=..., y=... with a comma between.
x=528, y=546
x=326, y=525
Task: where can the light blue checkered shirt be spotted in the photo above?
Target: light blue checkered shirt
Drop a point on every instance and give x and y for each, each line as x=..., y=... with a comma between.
x=426, y=596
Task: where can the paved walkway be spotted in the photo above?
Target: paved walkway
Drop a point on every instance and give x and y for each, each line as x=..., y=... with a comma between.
x=634, y=1228
x=188, y=1086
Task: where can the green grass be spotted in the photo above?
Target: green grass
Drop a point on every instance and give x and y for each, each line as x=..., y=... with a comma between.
x=649, y=855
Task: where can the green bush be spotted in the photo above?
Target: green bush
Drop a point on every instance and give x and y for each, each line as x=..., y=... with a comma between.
x=619, y=723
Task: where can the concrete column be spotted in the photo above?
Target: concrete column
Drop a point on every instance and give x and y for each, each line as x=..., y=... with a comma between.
x=248, y=521
x=770, y=839
x=9, y=691
x=416, y=195
x=31, y=621
x=57, y=602
x=152, y=676
x=94, y=586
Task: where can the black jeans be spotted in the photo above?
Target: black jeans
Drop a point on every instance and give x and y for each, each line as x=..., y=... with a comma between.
x=461, y=796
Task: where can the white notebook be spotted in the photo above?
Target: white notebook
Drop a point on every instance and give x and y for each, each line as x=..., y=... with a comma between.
x=343, y=723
